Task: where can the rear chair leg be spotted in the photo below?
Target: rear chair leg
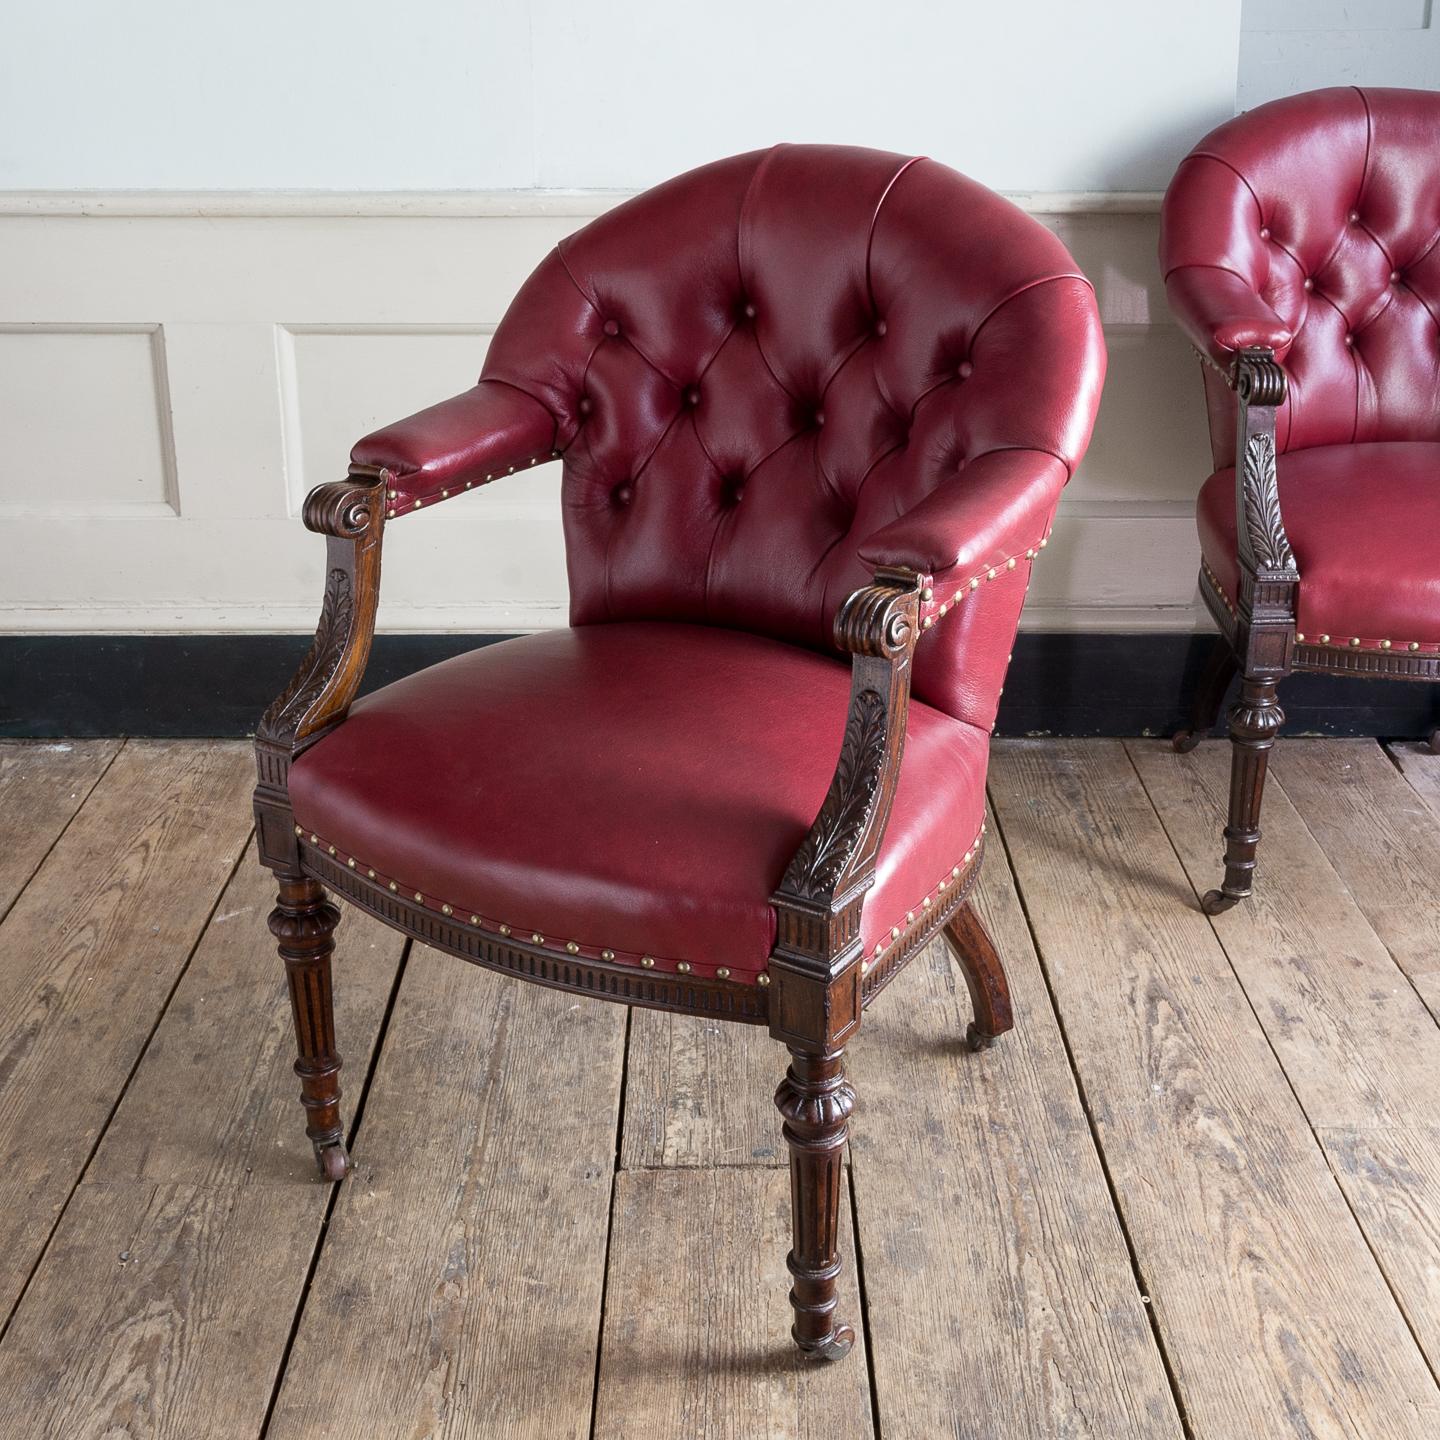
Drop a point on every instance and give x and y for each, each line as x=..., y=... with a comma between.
x=1255, y=720
x=1220, y=669
x=816, y=1100
x=304, y=922
x=984, y=977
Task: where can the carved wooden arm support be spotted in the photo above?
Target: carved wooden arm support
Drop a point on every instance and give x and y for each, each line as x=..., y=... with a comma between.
x=351, y=513
x=819, y=898
x=1259, y=385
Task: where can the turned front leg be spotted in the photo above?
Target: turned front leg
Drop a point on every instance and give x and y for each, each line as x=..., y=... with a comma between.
x=304, y=922
x=1255, y=721
x=816, y=1101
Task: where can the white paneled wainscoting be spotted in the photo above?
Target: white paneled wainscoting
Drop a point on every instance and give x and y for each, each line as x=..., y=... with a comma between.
x=176, y=370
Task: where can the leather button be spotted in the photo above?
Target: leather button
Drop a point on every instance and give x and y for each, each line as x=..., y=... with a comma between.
x=612, y=328
x=1354, y=217
x=737, y=490
x=1394, y=277
x=623, y=494
x=881, y=327
x=818, y=420
x=966, y=370
x=692, y=396
x=1349, y=341
x=748, y=309
x=584, y=405
x=1309, y=283
x=1264, y=232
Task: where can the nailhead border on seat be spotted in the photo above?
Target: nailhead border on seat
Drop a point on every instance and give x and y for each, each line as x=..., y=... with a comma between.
x=1410, y=658
x=914, y=921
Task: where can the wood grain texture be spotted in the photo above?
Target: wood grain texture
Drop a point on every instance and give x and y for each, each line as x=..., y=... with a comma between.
x=227, y=1036
x=700, y=1093
x=1420, y=767
x=697, y=1326
x=1382, y=839
x=42, y=784
x=1002, y=1303
x=165, y=1300
x=92, y=948
x=458, y=1291
x=164, y=1313
x=1391, y=1178
x=1276, y=1320
x=1356, y=1041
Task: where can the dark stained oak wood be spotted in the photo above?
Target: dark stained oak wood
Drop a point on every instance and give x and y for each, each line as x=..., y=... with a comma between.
x=1259, y=626
x=42, y=784
x=92, y=949
x=991, y=1015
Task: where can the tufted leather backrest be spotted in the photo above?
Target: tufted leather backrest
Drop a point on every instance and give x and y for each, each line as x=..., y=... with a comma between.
x=757, y=366
x=1327, y=205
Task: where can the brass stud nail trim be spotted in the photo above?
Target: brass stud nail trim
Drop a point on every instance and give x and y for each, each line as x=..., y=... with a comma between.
x=572, y=947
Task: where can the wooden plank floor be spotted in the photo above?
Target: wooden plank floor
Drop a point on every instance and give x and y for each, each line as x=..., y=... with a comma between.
x=1195, y=1195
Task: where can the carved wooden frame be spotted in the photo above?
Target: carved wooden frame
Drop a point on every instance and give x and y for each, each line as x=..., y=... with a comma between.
x=1259, y=626
x=817, y=983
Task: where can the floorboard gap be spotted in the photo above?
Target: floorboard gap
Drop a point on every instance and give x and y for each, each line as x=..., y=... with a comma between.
x=323, y=1229
x=1142, y=1288
x=129, y=1076
x=610, y=1220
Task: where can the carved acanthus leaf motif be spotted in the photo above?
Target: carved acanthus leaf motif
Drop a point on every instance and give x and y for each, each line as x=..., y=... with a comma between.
x=337, y=613
x=818, y=865
x=1268, y=542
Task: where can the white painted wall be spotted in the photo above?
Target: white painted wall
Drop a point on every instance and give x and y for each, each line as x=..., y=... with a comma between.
x=177, y=368
x=1292, y=45
x=480, y=94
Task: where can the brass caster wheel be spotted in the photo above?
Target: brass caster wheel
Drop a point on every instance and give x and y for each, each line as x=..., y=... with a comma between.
x=835, y=1346
x=333, y=1160
x=1217, y=902
x=977, y=1039
x=1184, y=741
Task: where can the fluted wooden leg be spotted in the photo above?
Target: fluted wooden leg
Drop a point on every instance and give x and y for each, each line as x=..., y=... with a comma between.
x=304, y=922
x=1254, y=722
x=1220, y=669
x=816, y=1101
x=984, y=977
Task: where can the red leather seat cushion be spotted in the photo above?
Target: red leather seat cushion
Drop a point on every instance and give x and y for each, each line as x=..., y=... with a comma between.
x=633, y=787
x=1364, y=522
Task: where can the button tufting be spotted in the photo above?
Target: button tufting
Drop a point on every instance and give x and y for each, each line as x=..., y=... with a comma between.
x=612, y=327
x=623, y=494
x=818, y=420
x=1354, y=217
x=1309, y=283
x=966, y=370
x=881, y=327
x=584, y=405
x=1264, y=232
x=1394, y=277
x=1349, y=341
x=748, y=309
x=692, y=396
x=735, y=489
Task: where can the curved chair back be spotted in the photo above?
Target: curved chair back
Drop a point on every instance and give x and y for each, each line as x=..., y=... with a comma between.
x=1325, y=206
x=761, y=367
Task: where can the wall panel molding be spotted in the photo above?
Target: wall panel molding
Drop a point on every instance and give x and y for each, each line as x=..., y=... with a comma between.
x=286, y=326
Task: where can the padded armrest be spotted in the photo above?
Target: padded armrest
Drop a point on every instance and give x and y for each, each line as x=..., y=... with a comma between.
x=462, y=442
x=1222, y=313
x=997, y=508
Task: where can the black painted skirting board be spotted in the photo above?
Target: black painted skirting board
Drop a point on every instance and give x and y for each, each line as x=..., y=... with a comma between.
x=217, y=685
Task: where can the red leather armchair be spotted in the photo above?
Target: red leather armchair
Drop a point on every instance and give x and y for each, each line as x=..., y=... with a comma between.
x=1301, y=250
x=815, y=407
